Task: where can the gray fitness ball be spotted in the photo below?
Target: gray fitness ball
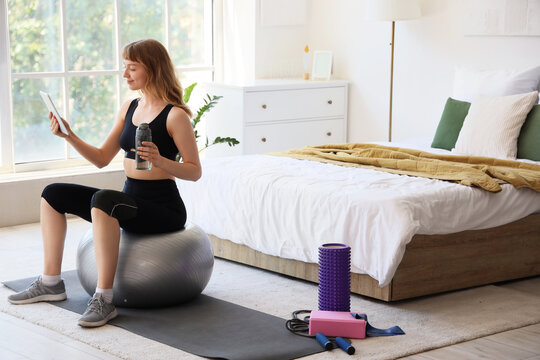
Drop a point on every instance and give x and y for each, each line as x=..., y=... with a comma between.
x=153, y=270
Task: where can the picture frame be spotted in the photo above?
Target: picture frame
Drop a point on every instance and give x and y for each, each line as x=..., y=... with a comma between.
x=322, y=65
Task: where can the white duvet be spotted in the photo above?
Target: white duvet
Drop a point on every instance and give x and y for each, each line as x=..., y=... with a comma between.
x=288, y=208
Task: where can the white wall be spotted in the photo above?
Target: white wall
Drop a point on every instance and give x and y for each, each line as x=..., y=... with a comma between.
x=426, y=52
x=21, y=196
x=281, y=36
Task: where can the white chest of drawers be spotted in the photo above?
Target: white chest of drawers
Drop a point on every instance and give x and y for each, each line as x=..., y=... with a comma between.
x=276, y=115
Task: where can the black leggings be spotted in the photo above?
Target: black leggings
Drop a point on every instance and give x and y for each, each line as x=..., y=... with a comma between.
x=143, y=206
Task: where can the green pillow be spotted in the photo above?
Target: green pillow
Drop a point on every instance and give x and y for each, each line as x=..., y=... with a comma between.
x=529, y=137
x=452, y=118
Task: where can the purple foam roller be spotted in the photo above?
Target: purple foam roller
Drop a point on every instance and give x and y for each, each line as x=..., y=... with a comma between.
x=335, y=277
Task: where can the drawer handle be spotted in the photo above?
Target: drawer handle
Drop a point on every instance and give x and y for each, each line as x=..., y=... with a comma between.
x=329, y=133
x=264, y=106
x=330, y=102
x=263, y=139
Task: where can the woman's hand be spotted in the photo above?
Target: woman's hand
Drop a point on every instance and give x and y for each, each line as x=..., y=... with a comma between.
x=149, y=151
x=55, y=127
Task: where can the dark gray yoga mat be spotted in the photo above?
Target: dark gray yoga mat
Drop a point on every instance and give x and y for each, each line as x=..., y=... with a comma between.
x=206, y=326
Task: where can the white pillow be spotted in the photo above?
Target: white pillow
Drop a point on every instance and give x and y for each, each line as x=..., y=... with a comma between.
x=469, y=83
x=492, y=126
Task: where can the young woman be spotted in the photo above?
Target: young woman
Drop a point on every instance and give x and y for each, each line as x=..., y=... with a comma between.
x=149, y=202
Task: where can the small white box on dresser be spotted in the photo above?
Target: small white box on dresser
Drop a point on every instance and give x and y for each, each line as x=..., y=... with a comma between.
x=274, y=115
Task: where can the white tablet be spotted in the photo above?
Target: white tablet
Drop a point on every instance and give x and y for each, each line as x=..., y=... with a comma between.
x=50, y=105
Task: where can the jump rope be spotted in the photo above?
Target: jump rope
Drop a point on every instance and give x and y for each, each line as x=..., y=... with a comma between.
x=300, y=327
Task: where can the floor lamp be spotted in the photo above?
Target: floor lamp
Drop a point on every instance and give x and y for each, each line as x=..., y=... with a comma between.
x=394, y=10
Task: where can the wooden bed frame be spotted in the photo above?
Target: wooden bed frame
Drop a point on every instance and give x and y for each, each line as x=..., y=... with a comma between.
x=431, y=264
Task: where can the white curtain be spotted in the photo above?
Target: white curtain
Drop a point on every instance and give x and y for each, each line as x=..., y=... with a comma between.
x=234, y=34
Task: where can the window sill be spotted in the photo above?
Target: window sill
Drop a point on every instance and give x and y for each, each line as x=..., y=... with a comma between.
x=50, y=174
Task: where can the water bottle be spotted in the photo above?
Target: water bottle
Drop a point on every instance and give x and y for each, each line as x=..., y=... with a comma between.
x=143, y=133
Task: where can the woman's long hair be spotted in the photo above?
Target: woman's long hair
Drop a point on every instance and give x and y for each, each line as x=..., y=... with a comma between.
x=162, y=79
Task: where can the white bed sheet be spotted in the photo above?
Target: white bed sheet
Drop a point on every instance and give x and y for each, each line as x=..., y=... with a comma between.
x=288, y=208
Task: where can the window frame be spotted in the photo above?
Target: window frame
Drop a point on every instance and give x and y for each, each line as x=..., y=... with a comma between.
x=7, y=158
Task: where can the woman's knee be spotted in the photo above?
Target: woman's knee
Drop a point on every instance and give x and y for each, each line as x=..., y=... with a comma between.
x=115, y=204
x=69, y=198
x=52, y=195
x=46, y=206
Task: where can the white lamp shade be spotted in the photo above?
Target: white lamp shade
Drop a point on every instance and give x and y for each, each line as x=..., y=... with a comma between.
x=393, y=10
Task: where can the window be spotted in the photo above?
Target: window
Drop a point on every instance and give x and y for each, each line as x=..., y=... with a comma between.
x=72, y=49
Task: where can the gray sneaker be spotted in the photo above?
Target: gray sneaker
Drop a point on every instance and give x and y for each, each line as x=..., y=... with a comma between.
x=37, y=292
x=98, y=312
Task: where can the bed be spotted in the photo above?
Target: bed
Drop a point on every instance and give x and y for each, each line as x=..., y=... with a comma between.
x=409, y=236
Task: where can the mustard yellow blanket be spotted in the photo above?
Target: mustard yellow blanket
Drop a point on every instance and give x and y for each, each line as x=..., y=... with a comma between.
x=483, y=172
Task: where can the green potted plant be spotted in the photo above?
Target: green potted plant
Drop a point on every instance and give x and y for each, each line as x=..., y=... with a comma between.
x=209, y=103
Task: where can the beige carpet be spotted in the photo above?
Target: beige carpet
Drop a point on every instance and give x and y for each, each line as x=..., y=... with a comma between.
x=429, y=322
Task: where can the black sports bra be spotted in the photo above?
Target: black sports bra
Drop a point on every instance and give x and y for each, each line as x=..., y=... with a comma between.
x=160, y=136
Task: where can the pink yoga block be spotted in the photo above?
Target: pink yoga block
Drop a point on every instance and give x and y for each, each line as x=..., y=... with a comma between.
x=336, y=323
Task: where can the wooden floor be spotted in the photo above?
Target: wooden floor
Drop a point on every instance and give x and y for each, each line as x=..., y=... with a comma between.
x=519, y=344
x=21, y=340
